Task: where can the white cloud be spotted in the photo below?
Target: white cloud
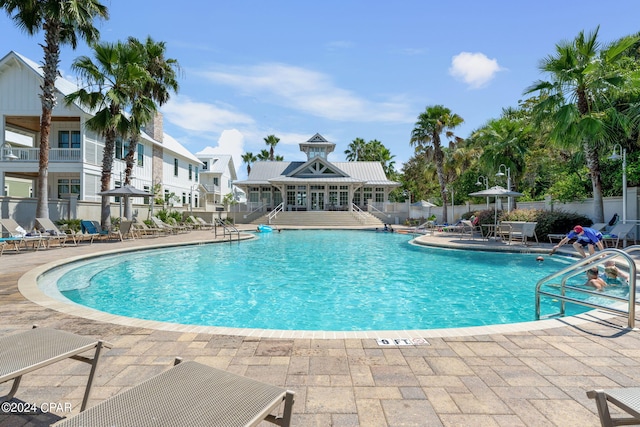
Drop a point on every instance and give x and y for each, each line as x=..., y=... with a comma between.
x=475, y=69
x=231, y=142
x=309, y=91
x=200, y=116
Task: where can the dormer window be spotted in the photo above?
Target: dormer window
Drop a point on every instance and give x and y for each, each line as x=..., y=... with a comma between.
x=205, y=166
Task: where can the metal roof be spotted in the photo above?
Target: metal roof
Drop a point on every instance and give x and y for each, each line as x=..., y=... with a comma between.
x=264, y=172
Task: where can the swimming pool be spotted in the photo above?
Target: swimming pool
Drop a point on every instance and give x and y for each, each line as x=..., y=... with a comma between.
x=310, y=280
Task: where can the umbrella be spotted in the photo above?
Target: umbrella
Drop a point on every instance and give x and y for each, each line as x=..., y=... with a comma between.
x=423, y=204
x=126, y=192
x=496, y=192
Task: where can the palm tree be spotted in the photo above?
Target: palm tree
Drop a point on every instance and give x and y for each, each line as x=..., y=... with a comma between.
x=249, y=158
x=355, y=150
x=430, y=125
x=263, y=155
x=155, y=92
x=62, y=21
x=271, y=141
x=110, y=83
x=576, y=102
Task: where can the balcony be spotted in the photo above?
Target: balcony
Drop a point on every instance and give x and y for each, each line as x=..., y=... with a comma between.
x=56, y=155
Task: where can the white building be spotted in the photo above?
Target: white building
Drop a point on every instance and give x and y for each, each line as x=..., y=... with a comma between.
x=217, y=175
x=75, y=157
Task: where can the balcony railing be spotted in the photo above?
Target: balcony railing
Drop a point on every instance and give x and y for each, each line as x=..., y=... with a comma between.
x=210, y=188
x=55, y=155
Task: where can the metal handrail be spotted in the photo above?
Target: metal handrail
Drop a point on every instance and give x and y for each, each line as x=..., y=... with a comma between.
x=582, y=266
x=274, y=212
x=359, y=212
x=226, y=228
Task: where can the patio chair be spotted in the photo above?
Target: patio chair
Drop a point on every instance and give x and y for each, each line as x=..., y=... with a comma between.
x=93, y=227
x=627, y=399
x=46, y=227
x=144, y=230
x=190, y=394
x=180, y=228
x=126, y=229
x=163, y=225
x=28, y=351
x=204, y=224
x=468, y=229
x=16, y=235
x=621, y=231
x=193, y=222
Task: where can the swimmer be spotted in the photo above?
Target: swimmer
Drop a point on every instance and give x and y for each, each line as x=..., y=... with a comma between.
x=539, y=259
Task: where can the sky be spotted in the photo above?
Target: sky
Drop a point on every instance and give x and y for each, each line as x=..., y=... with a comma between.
x=343, y=68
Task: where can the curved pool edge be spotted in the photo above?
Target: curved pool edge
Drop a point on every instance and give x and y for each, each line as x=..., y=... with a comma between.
x=28, y=287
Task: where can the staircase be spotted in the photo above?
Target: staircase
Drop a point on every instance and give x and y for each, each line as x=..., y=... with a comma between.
x=322, y=219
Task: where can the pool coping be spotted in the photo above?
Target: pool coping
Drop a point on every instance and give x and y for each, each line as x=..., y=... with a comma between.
x=28, y=287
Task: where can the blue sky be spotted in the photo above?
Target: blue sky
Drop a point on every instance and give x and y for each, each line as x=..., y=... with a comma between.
x=344, y=69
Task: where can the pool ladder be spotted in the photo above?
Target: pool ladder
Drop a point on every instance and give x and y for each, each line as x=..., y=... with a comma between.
x=227, y=229
x=579, y=268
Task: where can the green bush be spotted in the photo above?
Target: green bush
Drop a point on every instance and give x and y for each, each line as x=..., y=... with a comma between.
x=69, y=224
x=556, y=222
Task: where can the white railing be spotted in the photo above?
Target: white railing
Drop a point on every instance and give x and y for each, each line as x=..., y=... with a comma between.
x=359, y=213
x=258, y=207
x=274, y=212
x=56, y=155
x=211, y=188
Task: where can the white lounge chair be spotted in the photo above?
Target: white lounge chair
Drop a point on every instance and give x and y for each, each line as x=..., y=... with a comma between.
x=49, y=230
x=627, y=399
x=17, y=235
x=190, y=394
x=612, y=238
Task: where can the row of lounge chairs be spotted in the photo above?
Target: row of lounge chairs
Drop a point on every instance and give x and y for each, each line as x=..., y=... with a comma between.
x=190, y=393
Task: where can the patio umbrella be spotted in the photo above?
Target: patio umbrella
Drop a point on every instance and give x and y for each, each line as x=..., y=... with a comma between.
x=496, y=192
x=126, y=192
x=423, y=204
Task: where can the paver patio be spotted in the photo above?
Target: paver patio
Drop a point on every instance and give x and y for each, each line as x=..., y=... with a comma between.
x=522, y=378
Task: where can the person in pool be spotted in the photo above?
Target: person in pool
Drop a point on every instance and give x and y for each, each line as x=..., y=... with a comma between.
x=594, y=280
x=613, y=276
x=585, y=237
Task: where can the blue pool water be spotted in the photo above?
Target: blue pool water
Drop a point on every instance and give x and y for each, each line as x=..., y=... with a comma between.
x=313, y=280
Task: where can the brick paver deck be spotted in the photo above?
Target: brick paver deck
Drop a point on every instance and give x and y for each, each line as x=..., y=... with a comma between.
x=525, y=378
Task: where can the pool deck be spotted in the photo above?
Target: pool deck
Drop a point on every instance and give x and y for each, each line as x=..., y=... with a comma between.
x=518, y=375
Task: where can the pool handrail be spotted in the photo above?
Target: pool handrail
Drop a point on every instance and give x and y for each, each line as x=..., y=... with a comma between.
x=226, y=229
x=275, y=211
x=580, y=267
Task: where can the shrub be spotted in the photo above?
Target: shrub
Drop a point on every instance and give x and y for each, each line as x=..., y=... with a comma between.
x=69, y=224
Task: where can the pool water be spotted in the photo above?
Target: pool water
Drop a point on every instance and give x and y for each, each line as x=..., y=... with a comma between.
x=313, y=280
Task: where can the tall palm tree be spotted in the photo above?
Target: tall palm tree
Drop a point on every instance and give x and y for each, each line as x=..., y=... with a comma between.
x=110, y=83
x=355, y=150
x=63, y=22
x=155, y=92
x=576, y=101
x=431, y=124
x=271, y=141
x=249, y=158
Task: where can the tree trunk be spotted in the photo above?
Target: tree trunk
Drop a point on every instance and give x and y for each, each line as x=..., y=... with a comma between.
x=51, y=50
x=105, y=179
x=438, y=155
x=593, y=163
x=128, y=172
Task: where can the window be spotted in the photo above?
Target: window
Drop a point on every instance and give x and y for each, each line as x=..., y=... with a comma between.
x=68, y=186
x=184, y=198
x=140, y=155
x=317, y=152
x=148, y=190
x=190, y=171
x=197, y=177
x=119, y=149
x=166, y=195
x=216, y=181
x=175, y=167
x=69, y=139
x=205, y=165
